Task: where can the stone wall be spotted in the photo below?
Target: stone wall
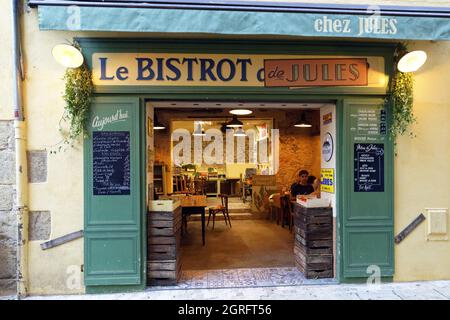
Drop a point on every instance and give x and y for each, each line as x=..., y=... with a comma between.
x=8, y=222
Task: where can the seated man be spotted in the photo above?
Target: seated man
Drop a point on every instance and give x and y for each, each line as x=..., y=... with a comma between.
x=301, y=187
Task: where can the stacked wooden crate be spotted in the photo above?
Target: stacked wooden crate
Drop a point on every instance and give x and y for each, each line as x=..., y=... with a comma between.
x=164, y=245
x=314, y=241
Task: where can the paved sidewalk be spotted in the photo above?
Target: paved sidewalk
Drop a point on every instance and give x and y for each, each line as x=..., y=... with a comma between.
x=393, y=291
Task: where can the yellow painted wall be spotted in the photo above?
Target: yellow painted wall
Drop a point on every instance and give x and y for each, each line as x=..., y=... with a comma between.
x=422, y=167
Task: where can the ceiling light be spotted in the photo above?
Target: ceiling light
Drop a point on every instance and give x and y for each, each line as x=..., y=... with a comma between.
x=239, y=133
x=158, y=125
x=412, y=61
x=241, y=112
x=67, y=55
x=234, y=123
x=303, y=123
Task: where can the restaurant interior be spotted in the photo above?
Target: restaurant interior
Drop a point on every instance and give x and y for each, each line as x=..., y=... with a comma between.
x=243, y=186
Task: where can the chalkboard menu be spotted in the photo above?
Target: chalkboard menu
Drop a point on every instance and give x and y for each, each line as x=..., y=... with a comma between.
x=369, y=167
x=111, y=163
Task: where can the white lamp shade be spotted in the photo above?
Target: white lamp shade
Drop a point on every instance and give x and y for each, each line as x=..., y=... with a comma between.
x=241, y=112
x=412, y=61
x=67, y=55
x=239, y=133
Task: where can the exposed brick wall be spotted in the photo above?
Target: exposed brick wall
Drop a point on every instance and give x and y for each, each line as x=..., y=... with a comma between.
x=8, y=222
x=299, y=148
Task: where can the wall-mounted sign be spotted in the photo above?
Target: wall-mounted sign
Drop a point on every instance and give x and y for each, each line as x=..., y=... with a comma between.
x=368, y=124
x=263, y=132
x=205, y=69
x=99, y=123
x=327, y=147
x=327, y=118
x=315, y=72
x=327, y=180
x=111, y=163
x=264, y=180
x=369, y=167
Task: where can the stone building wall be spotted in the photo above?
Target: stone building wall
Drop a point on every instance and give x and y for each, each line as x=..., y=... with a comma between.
x=8, y=222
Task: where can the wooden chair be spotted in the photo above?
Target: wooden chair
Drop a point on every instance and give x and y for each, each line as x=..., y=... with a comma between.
x=223, y=208
x=287, y=214
x=276, y=207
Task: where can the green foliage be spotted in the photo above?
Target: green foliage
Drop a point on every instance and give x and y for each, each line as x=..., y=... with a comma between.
x=402, y=100
x=78, y=95
x=402, y=105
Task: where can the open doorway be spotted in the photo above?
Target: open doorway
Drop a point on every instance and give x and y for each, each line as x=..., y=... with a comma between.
x=247, y=184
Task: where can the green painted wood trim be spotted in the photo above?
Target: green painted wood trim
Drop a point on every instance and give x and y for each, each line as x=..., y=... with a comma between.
x=346, y=170
x=143, y=171
x=386, y=50
x=364, y=280
x=201, y=96
x=143, y=222
x=113, y=289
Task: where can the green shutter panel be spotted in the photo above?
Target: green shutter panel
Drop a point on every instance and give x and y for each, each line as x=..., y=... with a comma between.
x=112, y=220
x=368, y=189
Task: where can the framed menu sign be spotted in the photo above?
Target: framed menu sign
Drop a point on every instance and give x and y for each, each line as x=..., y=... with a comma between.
x=369, y=167
x=111, y=163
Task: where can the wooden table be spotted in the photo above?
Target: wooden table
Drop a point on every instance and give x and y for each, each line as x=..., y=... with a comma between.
x=195, y=205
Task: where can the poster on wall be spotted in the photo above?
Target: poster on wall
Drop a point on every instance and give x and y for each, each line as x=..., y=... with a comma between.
x=369, y=167
x=263, y=132
x=111, y=163
x=327, y=147
x=327, y=180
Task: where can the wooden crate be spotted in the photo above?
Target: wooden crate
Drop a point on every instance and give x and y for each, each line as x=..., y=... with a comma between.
x=310, y=243
x=315, y=232
x=164, y=247
x=313, y=248
x=163, y=272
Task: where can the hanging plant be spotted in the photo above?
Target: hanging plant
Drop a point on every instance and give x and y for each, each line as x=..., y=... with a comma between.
x=77, y=95
x=401, y=101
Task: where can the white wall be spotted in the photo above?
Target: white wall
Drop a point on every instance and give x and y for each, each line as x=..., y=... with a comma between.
x=324, y=129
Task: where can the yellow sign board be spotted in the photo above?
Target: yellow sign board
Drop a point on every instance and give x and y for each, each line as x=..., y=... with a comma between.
x=200, y=69
x=327, y=180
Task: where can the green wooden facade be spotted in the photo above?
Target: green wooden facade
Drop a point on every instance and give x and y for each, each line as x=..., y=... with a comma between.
x=364, y=221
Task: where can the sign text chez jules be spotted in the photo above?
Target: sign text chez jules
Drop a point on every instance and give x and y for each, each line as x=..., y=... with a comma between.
x=232, y=71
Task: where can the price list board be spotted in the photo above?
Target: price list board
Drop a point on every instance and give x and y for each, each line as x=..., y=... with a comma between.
x=369, y=132
x=111, y=163
x=368, y=124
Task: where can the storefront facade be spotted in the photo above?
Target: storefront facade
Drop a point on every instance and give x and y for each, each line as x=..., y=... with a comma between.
x=365, y=233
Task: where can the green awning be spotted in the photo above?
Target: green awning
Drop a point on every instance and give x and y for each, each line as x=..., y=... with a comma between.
x=229, y=22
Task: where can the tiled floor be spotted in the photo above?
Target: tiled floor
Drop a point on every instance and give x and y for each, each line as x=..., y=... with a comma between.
x=247, y=244
x=244, y=278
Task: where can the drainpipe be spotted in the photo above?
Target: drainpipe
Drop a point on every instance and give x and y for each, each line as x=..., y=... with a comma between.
x=21, y=201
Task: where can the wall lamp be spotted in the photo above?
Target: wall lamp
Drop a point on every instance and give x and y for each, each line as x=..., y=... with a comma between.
x=67, y=55
x=412, y=61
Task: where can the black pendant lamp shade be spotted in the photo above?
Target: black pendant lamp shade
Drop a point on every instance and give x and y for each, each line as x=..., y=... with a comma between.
x=234, y=123
x=158, y=125
x=303, y=123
